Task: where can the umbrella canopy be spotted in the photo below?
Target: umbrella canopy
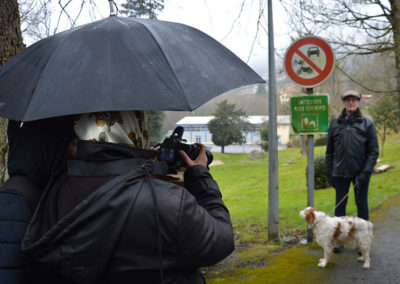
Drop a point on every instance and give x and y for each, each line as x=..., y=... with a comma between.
x=119, y=64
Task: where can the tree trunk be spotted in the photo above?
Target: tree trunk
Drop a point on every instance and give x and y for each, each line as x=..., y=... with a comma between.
x=222, y=149
x=10, y=32
x=395, y=21
x=10, y=45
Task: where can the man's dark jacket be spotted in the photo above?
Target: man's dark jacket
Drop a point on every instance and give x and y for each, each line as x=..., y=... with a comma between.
x=103, y=222
x=352, y=148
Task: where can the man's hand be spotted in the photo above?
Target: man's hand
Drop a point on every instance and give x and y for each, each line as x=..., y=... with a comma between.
x=362, y=178
x=200, y=160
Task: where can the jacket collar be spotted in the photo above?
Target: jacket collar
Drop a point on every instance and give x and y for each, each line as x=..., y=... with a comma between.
x=355, y=116
x=109, y=159
x=95, y=151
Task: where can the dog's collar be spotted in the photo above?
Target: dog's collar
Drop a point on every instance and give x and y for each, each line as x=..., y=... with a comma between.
x=316, y=223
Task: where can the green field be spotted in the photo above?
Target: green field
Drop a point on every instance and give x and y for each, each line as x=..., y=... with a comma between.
x=244, y=186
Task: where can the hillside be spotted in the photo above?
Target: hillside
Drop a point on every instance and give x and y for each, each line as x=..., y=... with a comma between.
x=252, y=99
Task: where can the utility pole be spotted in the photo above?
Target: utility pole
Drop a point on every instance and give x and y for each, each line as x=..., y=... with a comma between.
x=273, y=192
x=310, y=172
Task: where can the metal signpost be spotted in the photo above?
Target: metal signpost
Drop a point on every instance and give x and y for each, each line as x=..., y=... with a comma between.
x=273, y=189
x=308, y=62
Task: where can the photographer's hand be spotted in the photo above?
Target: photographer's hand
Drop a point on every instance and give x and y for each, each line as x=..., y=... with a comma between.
x=200, y=160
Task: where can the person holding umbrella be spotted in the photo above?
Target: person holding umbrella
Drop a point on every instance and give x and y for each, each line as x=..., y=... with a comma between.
x=106, y=205
x=36, y=151
x=106, y=219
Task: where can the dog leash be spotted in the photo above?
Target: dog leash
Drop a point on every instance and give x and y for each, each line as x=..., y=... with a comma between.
x=356, y=187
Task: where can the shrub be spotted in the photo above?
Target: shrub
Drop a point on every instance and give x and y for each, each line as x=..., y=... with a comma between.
x=256, y=155
x=320, y=175
x=264, y=136
x=321, y=141
x=294, y=142
x=264, y=146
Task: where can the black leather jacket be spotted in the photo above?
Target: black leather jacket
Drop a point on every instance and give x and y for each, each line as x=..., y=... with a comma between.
x=352, y=147
x=128, y=227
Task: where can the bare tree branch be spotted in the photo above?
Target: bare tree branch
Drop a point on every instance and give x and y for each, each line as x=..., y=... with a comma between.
x=353, y=27
x=235, y=20
x=63, y=11
x=260, y=15
x=363, y=85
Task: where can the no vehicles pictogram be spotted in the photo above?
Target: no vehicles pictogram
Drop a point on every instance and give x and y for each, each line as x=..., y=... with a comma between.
x=309, y=61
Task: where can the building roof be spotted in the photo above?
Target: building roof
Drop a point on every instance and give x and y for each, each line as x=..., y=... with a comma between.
x=253, y=119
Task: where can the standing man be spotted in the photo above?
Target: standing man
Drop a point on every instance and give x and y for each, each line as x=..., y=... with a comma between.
x=351, y=154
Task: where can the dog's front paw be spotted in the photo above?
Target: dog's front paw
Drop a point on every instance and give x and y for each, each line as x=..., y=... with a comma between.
x=360, y=259
x=322, y=262
x=366, y=265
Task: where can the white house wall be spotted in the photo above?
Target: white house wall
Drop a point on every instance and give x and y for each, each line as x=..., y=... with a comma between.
x=191, y=135
x=197, y=128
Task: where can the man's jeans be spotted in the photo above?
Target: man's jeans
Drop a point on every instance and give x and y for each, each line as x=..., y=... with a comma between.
x=342, y=186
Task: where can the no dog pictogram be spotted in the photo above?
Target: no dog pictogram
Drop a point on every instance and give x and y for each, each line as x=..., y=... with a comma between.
x=309, y=61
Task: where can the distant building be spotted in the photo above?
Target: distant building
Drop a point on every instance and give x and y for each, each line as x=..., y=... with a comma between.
x=284, y=97
x=367, y=97
x=196, y=129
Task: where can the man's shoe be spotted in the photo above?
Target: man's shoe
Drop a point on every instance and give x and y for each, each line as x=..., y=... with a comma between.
x=337, y=249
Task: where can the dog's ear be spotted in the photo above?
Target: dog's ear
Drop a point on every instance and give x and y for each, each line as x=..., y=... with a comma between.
x=310, y=217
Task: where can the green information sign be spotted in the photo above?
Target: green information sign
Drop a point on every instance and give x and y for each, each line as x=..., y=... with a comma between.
x=309, y=114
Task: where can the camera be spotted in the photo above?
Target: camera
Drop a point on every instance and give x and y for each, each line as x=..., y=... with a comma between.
x=169, y=150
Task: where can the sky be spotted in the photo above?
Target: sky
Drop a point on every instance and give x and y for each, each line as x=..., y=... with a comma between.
x=218, y=18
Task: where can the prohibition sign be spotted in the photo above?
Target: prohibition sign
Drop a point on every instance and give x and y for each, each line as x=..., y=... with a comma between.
x=309, y=61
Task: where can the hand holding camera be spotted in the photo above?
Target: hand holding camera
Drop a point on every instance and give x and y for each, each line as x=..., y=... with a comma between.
x=200, y=160
x=170, y=151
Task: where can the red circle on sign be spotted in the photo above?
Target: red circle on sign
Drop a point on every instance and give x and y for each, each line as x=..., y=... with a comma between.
x=323, y=73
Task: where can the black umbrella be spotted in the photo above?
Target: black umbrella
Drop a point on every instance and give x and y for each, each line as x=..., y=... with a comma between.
x=119, y=64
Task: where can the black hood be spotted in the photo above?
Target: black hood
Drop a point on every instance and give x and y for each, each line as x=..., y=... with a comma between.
x=81, y=245
x=36, y=148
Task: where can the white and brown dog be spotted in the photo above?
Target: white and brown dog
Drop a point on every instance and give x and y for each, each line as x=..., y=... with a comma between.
x=329, y=231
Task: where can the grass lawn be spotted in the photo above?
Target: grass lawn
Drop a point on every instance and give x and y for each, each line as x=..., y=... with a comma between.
x=244, y=186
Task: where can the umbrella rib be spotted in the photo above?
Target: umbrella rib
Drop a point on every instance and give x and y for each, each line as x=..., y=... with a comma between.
x=37, y=84
x=34, y=86
x=50, y=57
x=40, y=78
x=166, y=58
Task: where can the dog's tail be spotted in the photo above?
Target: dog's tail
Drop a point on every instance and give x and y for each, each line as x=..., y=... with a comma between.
x=370, y=227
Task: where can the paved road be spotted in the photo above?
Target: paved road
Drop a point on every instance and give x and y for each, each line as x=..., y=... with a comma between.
x=298, y=265
x=385, y=251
